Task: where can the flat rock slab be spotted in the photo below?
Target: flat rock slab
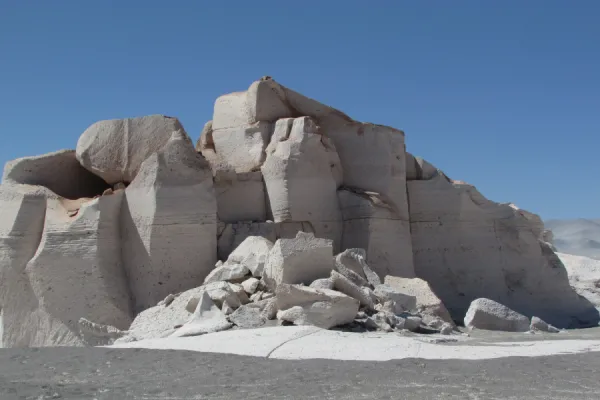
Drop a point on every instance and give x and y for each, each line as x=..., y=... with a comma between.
x=305, y=342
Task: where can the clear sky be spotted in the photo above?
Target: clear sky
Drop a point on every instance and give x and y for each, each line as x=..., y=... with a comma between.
x=502, y=94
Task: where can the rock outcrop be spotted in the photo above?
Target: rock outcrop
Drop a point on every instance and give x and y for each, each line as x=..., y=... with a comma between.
x=169, y=223
x=128, y=227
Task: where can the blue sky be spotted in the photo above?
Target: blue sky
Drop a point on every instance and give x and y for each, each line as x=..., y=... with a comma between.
x=502, y=94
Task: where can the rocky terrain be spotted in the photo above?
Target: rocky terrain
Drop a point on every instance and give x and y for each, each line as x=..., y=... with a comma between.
x=286, y=211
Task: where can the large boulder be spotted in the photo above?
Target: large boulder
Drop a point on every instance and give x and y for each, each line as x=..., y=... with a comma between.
x=115, y=149
x=467, y=247
x=169, y=223
x=299, y=260
x=324, y=308
x=493, y=316
x=427, y=303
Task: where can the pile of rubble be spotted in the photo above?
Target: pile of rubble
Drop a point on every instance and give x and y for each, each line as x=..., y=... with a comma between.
x=295, y=281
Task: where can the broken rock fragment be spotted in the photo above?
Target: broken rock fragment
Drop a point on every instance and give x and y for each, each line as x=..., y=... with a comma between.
x=490, y=315
x=319, y=307
x=252, y=253
x=538, y=324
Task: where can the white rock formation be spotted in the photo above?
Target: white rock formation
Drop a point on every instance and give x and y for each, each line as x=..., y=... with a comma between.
x=115, y=149
x=135, y=216
x=493, y=316
x=324, y=308
x=169, y=223
x=299, y=260
x=467, y=247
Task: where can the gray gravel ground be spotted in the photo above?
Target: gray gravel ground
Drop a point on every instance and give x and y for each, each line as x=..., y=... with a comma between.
x=100, y=373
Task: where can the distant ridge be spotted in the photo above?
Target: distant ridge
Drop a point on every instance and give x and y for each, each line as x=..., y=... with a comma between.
x=576, y=236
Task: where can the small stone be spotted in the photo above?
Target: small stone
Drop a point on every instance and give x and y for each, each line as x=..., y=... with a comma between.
x=250, y=285
x=228, y=273
x=537, y=324
x=267, y=295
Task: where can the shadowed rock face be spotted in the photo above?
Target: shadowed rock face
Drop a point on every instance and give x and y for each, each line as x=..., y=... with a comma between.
x=136, y=214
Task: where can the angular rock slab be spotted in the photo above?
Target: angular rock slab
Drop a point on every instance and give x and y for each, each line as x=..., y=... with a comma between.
x=299, y=260
x=77, y=272
x=252, y=253
x=323, y=308
x=207, y=318
x=115, y=149
x=493, y=316
x=467, y=247
x=169, y=223
x=427, y=302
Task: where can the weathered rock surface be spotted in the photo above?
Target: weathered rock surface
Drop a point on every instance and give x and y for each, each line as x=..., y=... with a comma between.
x=299, y=260
x=467, y=247
x=493, y=316
x=426, y=301
x=324, y=308
x=169, y=223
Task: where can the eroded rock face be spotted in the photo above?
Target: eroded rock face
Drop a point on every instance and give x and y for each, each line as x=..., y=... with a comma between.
x=467, y=247
x=169, y=223
x=59, y=171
